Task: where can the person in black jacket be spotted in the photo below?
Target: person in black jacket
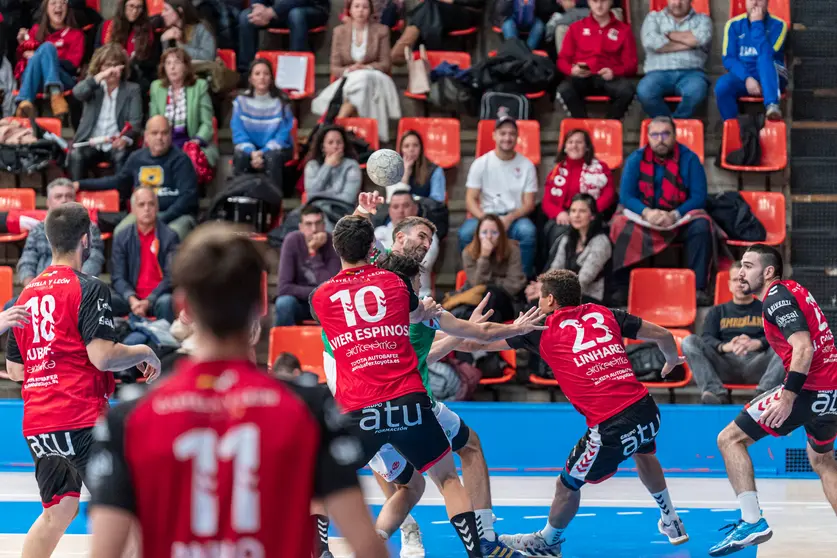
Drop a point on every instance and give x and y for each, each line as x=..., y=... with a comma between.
x=733, y=348
x=140, y=262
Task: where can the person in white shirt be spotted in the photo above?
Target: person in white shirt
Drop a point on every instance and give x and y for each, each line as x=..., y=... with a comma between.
x=503, y=182
x=401, y=206
x=110, y=103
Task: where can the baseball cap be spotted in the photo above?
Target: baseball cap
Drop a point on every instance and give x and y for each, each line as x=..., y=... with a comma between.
x=505, y=120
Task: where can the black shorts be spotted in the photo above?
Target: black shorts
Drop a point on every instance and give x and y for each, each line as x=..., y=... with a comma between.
x=816, y=411
x=60, y=462
x=408, y=423
x=598, y=454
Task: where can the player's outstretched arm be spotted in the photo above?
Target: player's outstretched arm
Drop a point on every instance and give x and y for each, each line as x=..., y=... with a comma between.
x=427, y=309
x=444, y=344
x=349, y=512
x=108, y=356
x=111, y=527
x=367, y=204
x=490, y=332
x=665, y=341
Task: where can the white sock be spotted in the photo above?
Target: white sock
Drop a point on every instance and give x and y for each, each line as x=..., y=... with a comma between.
x=749, y=503
x=550, y=534
x=485, y=524
x=667, y=510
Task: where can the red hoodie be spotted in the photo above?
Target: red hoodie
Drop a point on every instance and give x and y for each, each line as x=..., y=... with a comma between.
x=611, y=46
x=564, y=182
x=69, y=42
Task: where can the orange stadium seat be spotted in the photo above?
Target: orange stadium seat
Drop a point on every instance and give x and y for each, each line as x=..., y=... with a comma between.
x=606, y=136
x=16, y=199
x=535, y=94
x=102, y=200
x=528, y=139
x=774, y=147
x=436, y=57
x=7, y=276
x=664, y=296
x=440, y=137
x=154, y=7
x=461, y=278
x=304, y=342
x=364, y=128
x=722, y=292
x=679, y=336
x=700, y=6
x=769, y=208
x=49, y=124
x=689, y=133
x=273, y=56
x=778, y=8
x=227, y=56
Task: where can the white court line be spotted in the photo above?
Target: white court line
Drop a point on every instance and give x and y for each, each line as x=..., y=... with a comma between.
x=585, y=515
x=535, y=517
x=682, y=511
x=440, y=522
x=722, y=510
x=629, y=513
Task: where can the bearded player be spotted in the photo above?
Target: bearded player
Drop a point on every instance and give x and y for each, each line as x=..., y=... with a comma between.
x=236, y=456
x=64, y=356
x=797, y=330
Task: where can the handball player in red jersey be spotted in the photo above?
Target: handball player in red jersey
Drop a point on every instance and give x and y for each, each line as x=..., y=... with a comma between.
x=236, y=456
x=64, y=357
x=797, y=330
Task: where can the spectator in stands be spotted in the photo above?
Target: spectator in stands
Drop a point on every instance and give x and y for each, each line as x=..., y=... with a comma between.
x=520, y=15
x=307, y=260
x=332, y=174
x=576, y=171
x=664, y=189
x=402, y=206
x=494, y=261
x=732, y=348
x=360, y=52
x=261, y=124
x=422, y=177
x=562, y=14
x=14, y=13
x=754, y=55
x=298, y=17
x=676, y=41
x=110, y=103
x=49, y=57
x=37, y=254
x=503, y=182
x=139, y=263
x=423, y=18
x=287, y=367
x=160, y=166
x=185, y=30
x=184, y=100
x=131, y=28
x=597, y=56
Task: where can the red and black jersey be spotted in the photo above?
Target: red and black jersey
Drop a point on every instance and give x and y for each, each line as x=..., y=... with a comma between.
x=221, y=459
x=62, y=390
x=789, y=308
x=583, y=346
x=365, y=314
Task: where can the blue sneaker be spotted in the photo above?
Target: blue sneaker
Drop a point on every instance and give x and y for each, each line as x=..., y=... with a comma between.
x=498, y=549
x=742, y=535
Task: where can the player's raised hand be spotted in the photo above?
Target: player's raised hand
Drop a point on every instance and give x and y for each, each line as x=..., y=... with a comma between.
x=671, y=365
x=431, y=308
x=16, y=316
x=150, y=367
x=477, y=316
x=531, y=320
x=368, y=202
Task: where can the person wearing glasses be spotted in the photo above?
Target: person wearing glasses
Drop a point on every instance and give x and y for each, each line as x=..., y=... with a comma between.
x=663, y=192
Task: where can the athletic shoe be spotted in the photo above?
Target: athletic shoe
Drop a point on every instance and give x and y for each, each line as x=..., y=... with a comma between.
x=498, y=549
x=675, y=531
x=742, y=535
x=411, y=545
x=774, y=113
x=532, y=544
x=326, y=554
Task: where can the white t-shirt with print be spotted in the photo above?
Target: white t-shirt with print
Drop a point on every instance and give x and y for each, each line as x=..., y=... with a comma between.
x=502, y=183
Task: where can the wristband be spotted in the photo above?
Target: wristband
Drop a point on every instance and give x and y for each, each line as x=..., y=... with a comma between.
x=795, y=381
x=363, y=210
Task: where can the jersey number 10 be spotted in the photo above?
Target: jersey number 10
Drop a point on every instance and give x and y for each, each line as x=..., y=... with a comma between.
x=345, y=299
x=43, y=321
x=240, y=444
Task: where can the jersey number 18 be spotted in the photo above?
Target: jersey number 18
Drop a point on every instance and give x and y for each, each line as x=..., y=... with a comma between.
x=43, y=321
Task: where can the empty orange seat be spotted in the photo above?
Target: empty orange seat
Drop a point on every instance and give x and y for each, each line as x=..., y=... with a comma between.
x=606, y=136
x=528, y=139
x=227, y=56
x=273, y=56
x=665, y=297
x=722, y=292
x=510, y=358
x=769, y=208
x=7, y=276
x=461, y=277
x=689, y=133
x=304, y=342
x=700, y=6
x=364, y=128
x=436, y=57
x=440, y=137
x=22, y=199
x=154, y=7
x=774, y=146
x=778, y=8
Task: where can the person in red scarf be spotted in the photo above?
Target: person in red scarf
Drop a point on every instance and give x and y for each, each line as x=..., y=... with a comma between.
x=49, y=56
x=663, y=192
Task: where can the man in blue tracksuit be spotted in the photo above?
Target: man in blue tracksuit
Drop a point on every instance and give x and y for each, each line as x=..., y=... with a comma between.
x=754, y=54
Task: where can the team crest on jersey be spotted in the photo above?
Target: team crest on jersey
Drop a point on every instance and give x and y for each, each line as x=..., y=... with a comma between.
x=613, y=34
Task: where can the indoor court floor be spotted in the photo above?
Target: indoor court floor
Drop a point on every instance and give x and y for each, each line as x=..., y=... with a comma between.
x=617, y=518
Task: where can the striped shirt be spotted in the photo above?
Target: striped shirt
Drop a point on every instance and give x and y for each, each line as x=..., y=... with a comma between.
x=654, y=30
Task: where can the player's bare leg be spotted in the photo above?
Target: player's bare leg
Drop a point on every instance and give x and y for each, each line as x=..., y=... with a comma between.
x=651, y=474
x=457, y=503
x=46, y=532
x=825, y=466
x=401, y=499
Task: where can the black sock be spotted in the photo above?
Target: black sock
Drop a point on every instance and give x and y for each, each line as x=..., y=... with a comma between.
x=320, y=535
x=466, y=527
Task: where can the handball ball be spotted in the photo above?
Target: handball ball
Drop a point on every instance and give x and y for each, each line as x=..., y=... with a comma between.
x=385, y=167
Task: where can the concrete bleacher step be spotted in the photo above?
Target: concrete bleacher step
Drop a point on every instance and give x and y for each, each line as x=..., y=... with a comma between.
x=812, y=175
x=813, y=247
x=821, y=282
x=813, y=140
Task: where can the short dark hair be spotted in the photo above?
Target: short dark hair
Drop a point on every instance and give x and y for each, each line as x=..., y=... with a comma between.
x=286, y=363
x=65, y=226
x=769, y=257
x=662, y=119
x=408, y=223
x=220, y=272
x=563, y=285
x=352, y=238
x=405, y=266
x=310, y=209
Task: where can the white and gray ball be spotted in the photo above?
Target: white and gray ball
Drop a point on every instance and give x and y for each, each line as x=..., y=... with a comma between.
x=385, y=167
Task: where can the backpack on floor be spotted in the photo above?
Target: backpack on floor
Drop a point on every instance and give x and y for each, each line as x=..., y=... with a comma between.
x=495, y=104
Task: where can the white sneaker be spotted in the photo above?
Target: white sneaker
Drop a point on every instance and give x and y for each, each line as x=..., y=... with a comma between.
x=532, y=544
x=675, y=531
x=411, y=545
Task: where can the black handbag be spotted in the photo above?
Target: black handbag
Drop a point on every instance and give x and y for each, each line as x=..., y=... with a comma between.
x=647, y=361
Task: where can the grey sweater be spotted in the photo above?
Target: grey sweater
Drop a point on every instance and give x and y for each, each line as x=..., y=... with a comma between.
x=341, y=183
x=592, y=261
x=201, y=45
